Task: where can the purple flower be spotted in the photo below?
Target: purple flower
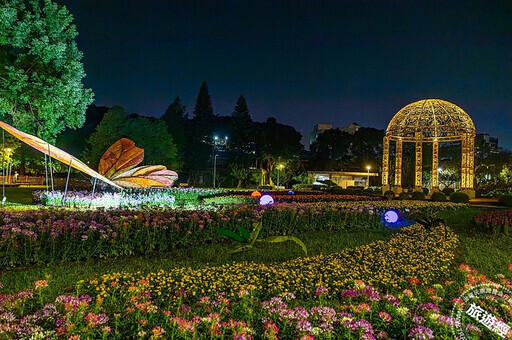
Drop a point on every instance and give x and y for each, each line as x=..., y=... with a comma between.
x=421, y=333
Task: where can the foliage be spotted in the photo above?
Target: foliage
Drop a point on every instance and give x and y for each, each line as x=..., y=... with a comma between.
x=459, y=197
x=505, y=201
x=240, y=170
x=438, y=196
x=248, y=239
x=116, y=124
x=240, y=129
x=389, y=195
x=429, y=222
x=495, y=221
x=418, y=195
x=41, y=90
x=335, y=149
x=448, y=191
x=175, y=118
x=404, y=196
x=203, y=113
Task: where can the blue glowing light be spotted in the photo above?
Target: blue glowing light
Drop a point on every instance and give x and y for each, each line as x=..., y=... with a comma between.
x=291, y=193
x=266, y=200
x=391, y=216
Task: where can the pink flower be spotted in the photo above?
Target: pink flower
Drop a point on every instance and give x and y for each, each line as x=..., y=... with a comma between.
x=385, y=316
x=157, y=332
x=408, y=293
x=41, y=284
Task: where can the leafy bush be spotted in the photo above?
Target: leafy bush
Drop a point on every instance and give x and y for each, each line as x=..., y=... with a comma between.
x=505, y=201
x=426, y=191
x=459, y=197
x=418, y=195
x=389, y=194
x=404, y=196
x=495, y=221
x=448, y=191
x=438, y=196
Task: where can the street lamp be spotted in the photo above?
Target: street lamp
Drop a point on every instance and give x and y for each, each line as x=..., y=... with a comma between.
x=279, y=168
x=368, y=176
x=214, y=169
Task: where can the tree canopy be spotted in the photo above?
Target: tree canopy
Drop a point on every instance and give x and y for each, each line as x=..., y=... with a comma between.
x=148, y=134
x=41, y=90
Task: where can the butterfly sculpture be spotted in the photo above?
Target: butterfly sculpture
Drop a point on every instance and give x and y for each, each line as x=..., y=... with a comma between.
x=119, y=165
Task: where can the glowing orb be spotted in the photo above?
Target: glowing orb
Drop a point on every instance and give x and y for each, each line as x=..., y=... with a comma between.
x=291, y=193
x=266, y=200
x=391, y=216
x=256, y=194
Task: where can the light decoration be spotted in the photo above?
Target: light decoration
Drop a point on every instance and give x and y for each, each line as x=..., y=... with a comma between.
x=256, y=194
x=392, y=216
x=291, y=192
x=266, y=200
x=429, y=121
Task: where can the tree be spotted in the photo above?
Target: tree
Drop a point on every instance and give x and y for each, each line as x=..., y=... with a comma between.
x=241, y=134
x=116, y=124
x=175, y=117
x=203, y=112
x=240, y=171
x=274, y=141
x=41, y=90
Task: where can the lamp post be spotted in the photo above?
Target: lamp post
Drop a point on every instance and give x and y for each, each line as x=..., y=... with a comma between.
x=279, y=168
x=214, y=169
x=368, y=176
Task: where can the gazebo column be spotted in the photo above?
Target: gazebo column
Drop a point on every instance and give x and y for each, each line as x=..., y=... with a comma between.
x=464, y=162
x=398, y=166
x=468, y=162
x=385, y=165
x=435, y=165
x=418, y=170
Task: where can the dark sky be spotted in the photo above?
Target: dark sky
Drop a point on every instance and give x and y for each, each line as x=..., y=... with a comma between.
x=303, y=62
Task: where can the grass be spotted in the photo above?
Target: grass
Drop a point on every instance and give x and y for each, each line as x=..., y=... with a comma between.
x=65, y=275
x=20, y=195
x=490, y=254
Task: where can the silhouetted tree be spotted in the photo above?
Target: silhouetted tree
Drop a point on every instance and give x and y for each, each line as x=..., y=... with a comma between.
x=203, y=113
x=175, y=117
x=241, y=134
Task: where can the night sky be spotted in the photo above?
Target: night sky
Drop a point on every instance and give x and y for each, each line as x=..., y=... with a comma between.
x=303, y=62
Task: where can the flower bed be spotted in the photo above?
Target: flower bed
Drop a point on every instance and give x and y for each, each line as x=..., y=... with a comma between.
x=413, y=252
x=135, y=311
x=58, y=235
x=495, y=221
x=125, y=198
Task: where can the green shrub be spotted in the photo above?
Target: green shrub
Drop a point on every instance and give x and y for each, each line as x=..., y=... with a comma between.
x=448, y=191
x=426, y=191
x=438, y=196
x=389, y=195
x=418, y=195
x=404, y=196
x=505, y=201
x=459, y=197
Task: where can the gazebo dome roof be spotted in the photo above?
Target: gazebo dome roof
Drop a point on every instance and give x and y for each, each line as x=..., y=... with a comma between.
x=436, y=119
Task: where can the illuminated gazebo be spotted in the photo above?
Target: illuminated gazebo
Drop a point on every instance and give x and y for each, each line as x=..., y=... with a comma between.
x=429, y=121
